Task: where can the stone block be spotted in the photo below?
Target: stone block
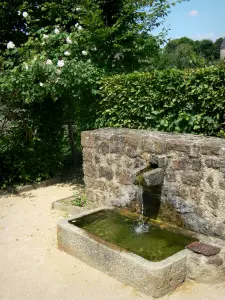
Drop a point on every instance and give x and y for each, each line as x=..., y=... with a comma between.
x=117, y=144
x=87, y=154
x=191, y=178
x=177, y=146
x=195, y=164
x=148, y=145
x=132, y=141
x=171, y=176
x=153, y=177
x=194, y=150
x=205, y=269
x=210, y=148
x=159, y=147
x=212, y=163
x=222, y=184
x=179, y=164
x=103, y=148
x=87, y=139
x=106, y=172
x=90, y=169
x=212, y=200
x=90, y=182
x=222, y=166
x=131, y=152
x=125, y=176
x=139, y=164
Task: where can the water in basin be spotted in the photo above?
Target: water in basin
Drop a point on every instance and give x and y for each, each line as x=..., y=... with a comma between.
x=154, y=244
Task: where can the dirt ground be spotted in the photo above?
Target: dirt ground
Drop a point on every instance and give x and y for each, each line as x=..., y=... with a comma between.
x=32, y=268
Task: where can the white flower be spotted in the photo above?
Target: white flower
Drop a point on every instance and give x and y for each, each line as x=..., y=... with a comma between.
x=68, y=40
x=19, y=13
x=25, y=14
x=26, y=66
x=10, y=45
x=78, y=8
x=58, y=72
x=78, y=26
x=67, y=53
x=48, y=62
x=56, y=31
x=84, y=52
x=45, y=36
x=41, y=84
x=89, y=61
x=60, y=63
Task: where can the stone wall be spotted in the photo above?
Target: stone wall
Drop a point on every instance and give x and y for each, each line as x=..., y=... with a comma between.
x=193, y=190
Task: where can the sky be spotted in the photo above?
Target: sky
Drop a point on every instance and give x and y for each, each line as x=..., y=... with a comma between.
x=198, y=19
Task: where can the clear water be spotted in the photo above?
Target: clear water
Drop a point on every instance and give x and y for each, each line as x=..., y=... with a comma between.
x=154, y=243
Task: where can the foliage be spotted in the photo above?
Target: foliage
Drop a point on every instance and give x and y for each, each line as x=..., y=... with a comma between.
x=79, y=199
x=190, y=101
x=186, y=53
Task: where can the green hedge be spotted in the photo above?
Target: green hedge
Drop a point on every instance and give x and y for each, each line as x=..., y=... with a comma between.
x=190, y=101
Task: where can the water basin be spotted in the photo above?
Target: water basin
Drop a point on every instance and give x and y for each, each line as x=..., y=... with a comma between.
x=154, y=244
x=154, y=262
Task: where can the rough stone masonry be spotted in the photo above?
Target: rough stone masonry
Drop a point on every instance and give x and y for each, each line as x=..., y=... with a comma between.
x=193, y=188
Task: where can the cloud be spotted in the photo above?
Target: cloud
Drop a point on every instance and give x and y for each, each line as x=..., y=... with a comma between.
x=193, y=13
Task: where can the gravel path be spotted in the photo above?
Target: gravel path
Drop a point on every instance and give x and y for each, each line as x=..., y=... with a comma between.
x=32, y=268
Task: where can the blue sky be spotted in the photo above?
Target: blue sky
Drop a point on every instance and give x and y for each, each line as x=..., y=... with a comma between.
x=198, y=19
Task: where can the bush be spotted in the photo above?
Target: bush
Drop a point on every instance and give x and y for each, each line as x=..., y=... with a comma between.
x=190, y=101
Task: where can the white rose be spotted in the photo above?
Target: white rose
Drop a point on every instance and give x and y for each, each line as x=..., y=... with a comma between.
x=56, y=31
x=60, y=63
x=80, y=27
x=84, y=52
x=26, y=66
x=48, y=62
x=78, y=8
x=45, y=36
x=68, y=40
x=67, y=53
x=41, y=84
x=25, y=14
x=10, y=45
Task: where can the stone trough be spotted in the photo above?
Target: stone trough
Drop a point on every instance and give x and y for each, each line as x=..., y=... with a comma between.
x=155, y=279
x=152, y=278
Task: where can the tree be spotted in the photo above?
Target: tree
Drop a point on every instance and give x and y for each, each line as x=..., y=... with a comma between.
x=205, y=48
x=217, y=46
x=187, y=53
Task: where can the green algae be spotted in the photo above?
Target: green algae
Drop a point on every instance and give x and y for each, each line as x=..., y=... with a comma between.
x=118, y=229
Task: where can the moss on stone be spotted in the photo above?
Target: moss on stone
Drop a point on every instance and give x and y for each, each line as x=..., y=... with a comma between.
x=139, y=180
